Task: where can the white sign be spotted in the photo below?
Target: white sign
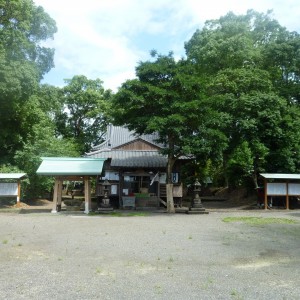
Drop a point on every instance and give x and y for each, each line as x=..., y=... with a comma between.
x=276, y=188
x=9, y=189
x=294, y=189
x=109, y=175
x=114, y=189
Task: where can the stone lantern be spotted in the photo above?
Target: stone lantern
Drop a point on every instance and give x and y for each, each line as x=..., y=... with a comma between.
x=197, y=207
x=105, y=204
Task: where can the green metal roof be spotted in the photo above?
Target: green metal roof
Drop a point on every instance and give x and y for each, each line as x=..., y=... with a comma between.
x=280, y=176
x=12, y=175
x=55, y=166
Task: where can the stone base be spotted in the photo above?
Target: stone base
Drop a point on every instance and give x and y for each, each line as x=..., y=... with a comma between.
x=181, y=209
x=105, y=209
x=197, y=210
x=72, y=208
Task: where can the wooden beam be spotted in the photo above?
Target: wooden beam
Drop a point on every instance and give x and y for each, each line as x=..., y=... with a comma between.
x=266, y=194
x=59, y=193
x=19, y=193
x=287, y=199
x=54, y=208
x=87, y=195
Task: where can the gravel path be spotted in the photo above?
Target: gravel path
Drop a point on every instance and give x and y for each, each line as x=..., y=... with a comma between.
x=158, y=256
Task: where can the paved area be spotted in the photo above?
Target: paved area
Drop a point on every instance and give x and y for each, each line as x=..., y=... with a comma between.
x=157, y=256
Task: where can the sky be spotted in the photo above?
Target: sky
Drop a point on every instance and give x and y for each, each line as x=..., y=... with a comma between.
x=106, y=39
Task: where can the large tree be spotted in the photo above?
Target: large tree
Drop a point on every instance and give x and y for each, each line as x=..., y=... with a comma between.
x=83, y=117
x=251, y=66
x=23, y=62
x=166, y=99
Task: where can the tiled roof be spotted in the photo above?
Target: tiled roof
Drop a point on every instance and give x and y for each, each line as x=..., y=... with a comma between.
x=134, y=158
x=117, y=135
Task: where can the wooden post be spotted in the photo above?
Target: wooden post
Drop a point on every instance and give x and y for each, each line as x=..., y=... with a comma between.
x=266, y=194
x=55, y=196
x=59, y=193
x=19, y=194
x=87, y=195
x=287, y=200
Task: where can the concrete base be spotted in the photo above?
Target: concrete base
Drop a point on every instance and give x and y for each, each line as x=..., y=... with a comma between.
x=105, y=209
x=197, y=210
x=181, y=209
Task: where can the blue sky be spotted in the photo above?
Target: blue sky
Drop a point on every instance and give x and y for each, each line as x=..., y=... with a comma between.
x=107, y=38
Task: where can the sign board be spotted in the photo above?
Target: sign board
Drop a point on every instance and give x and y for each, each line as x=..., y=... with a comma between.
x=114, y=189
x=294, y=189
x=111, y=175
x=276, y=189
x=177, y=191
x=9, y=189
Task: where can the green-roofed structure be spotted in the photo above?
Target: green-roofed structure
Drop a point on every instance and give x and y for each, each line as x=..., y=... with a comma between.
x=10, y=185
x=69, y=168
x=281, y=185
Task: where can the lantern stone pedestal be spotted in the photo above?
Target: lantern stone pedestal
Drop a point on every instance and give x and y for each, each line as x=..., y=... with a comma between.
x=105, y=206
x=197, y=207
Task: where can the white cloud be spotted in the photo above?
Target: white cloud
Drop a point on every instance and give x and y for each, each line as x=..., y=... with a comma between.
x=105, y=39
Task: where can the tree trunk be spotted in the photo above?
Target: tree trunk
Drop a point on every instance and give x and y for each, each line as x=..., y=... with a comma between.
x=169, y=186
x=254, y=177
x=170, y=200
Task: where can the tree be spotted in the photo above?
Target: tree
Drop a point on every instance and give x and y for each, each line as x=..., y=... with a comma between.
x=40, y=141
x=83, y=118
x=166, y=99
x=23, y=62
x=251, y=64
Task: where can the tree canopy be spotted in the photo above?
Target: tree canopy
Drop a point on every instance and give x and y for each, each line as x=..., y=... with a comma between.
x=251, y=66
x=23, y=62
x=166, y=99
x=84, y=112
x=232, y=104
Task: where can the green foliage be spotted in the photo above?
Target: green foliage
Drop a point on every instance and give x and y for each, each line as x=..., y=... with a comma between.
x=163, y=99
x=23, y=62
x=83, y=118
x=259, y=220
x=251, y=66
x=39, y=141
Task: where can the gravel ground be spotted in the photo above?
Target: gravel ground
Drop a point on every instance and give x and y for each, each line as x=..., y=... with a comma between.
x=158, y=256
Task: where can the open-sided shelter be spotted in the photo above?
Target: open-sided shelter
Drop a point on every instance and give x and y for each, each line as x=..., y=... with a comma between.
x=72, y=169
x=10, y=185
x=283, y=185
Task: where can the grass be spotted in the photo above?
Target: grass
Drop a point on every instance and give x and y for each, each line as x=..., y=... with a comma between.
x=171, y=259
x=4, y=242
x=236, y=295
x=158, y=289
x=259, y=220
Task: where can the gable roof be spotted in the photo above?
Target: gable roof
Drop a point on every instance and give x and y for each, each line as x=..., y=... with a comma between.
x=132, y=158
x=280, y=176
x=12, y=175
x=55, y=166
x=118, y=135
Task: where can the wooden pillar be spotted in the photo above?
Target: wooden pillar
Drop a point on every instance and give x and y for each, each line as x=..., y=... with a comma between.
x=55, y=196
x=19, y=193
x=59, y=193
x=121, y=185
x=266, y=194
x=287, y=200
x=87, y=195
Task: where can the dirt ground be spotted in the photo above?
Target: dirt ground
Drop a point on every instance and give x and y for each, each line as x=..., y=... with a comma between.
x=152, y=256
